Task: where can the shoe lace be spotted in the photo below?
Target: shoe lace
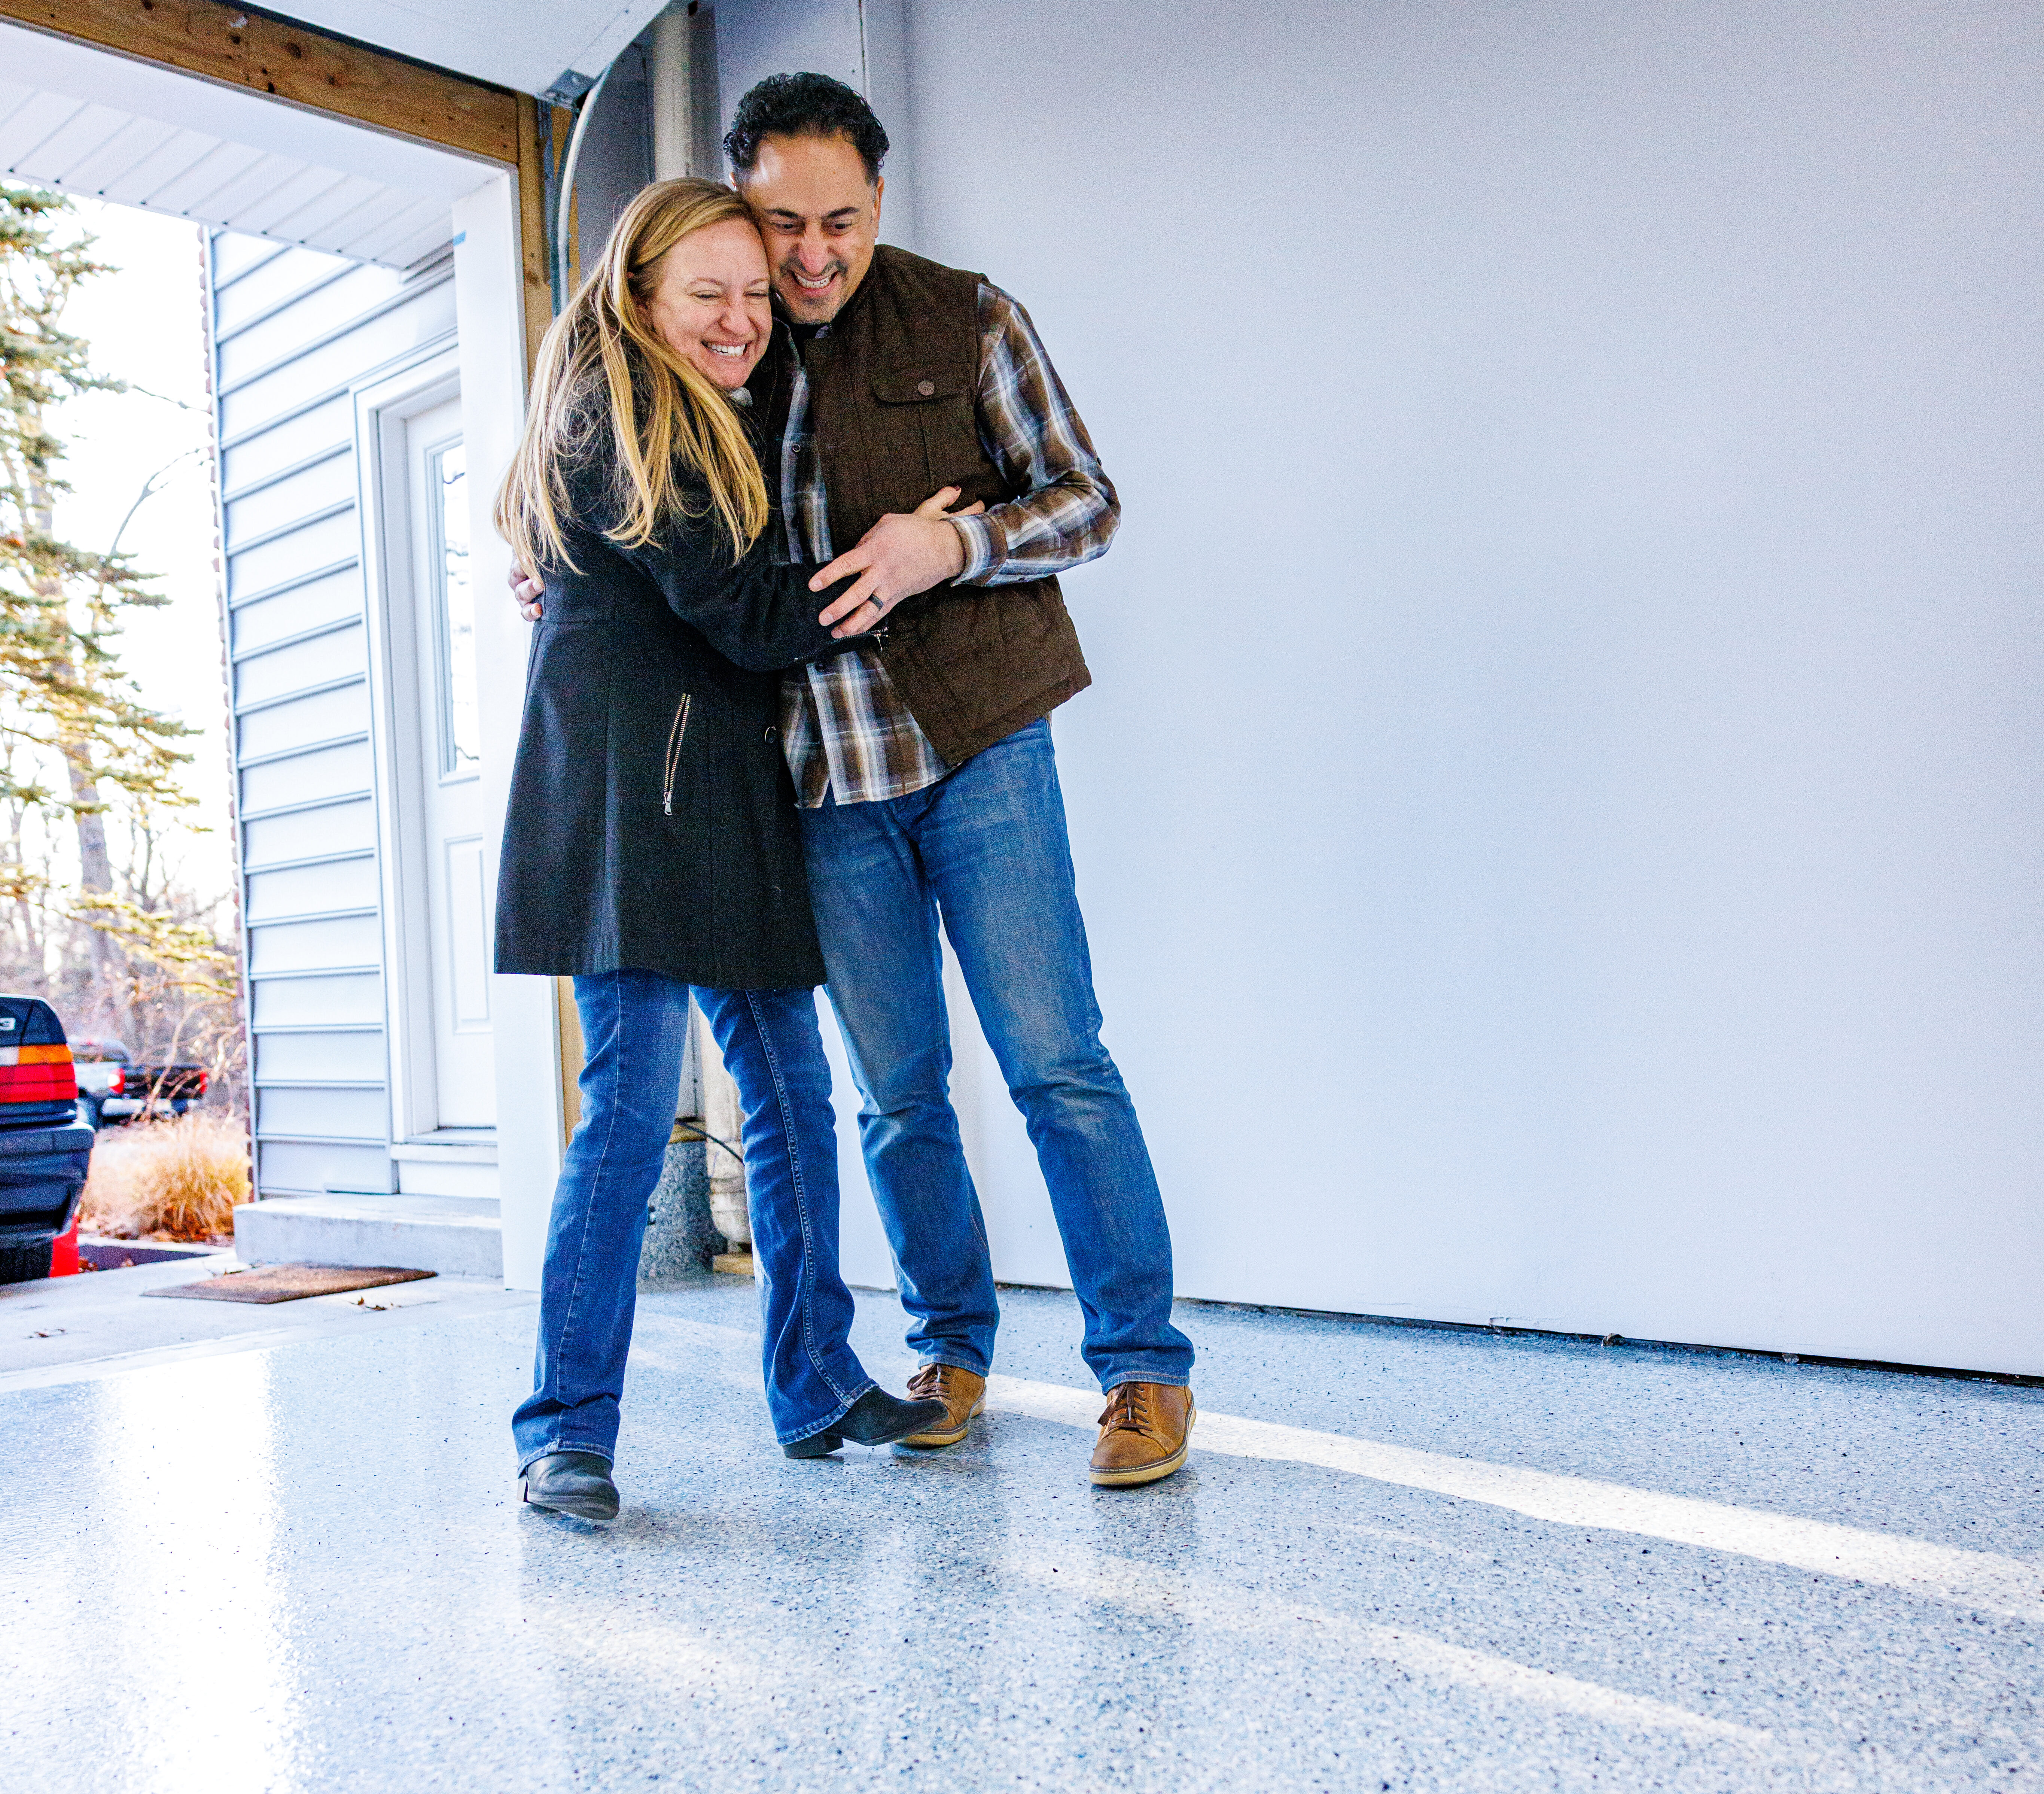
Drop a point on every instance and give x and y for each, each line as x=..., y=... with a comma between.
x=928, y=1383
x=1128, y=1409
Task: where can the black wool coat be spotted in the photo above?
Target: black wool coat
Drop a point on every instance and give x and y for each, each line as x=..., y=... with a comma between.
x=652, y=822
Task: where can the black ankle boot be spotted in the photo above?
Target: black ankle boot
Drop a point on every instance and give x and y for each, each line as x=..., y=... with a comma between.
x=876, y=1418
x=572, y=1482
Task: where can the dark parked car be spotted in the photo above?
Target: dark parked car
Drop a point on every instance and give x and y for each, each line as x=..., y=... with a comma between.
x=44, y=1150
x=111, y=1086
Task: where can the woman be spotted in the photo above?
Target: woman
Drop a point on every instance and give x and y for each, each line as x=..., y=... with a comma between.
x=650, y=846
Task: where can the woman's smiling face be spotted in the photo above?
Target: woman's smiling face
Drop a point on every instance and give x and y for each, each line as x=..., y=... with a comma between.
x=712, y=304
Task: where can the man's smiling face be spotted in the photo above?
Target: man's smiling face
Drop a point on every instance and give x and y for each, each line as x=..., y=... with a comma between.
x=821, y=217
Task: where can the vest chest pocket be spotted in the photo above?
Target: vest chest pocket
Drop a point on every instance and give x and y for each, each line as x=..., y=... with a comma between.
x=917, y=387
x=924, y=435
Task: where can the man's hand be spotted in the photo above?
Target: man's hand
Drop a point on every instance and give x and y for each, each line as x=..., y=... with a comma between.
x=899, y=557
x=528, y=591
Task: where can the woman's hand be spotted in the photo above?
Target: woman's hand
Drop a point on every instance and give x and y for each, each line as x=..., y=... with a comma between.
x=528, y=591
x=899, y=557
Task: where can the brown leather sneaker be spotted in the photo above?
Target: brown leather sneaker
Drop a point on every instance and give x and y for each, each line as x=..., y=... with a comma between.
x=963, y=1393
x=1144, y=1433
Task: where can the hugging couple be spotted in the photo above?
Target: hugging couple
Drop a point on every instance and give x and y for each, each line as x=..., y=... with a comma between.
x=753, y=433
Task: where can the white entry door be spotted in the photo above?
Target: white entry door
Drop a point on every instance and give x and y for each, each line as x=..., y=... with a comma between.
x=449, y=809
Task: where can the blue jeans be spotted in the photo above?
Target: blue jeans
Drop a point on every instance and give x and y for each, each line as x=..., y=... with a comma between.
x=633, y=1025
x=985, y=848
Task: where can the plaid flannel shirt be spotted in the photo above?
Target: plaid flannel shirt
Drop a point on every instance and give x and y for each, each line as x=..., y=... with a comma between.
x=843, y=730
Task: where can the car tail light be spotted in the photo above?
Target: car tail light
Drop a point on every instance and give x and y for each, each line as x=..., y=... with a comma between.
x=201, y=1089
x=120, y=1084
x=36, y=1074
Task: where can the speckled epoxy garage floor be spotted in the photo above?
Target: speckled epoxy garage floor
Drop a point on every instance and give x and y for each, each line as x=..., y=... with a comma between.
x=1399, y=1559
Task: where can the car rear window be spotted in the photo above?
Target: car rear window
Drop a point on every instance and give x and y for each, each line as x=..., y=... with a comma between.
x=35, y=1074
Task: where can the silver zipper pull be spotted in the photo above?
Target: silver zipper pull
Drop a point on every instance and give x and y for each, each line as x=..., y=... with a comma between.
x=678, y=732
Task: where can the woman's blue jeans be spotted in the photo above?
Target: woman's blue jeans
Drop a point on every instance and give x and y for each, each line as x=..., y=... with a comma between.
x=633, y=1026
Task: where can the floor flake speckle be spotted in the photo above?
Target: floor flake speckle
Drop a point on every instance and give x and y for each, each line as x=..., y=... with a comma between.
x=1398, y=1559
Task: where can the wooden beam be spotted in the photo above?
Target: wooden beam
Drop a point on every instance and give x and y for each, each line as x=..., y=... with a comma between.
x=538, y=287
x=301, y=67
x=537, y=280
x=569, y=1020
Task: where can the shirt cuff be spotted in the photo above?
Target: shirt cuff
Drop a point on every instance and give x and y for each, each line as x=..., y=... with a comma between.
x=986, y=548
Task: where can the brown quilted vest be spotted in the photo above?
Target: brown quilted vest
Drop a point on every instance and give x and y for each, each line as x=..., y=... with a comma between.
x=891, y=396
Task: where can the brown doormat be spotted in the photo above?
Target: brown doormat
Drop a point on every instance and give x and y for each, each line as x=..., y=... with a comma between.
x=288, y=1283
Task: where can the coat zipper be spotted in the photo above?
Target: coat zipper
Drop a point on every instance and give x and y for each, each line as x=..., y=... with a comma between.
x=678, y=732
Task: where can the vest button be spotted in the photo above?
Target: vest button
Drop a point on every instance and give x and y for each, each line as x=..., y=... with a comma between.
x=926, y=388
x=772, y=734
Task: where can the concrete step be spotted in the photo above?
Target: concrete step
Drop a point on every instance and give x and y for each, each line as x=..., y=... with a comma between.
x=457, y=1236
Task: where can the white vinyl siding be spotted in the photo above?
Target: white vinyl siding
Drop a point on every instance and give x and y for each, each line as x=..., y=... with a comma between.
x=323, y=369
x=302, y=835
x=287, y=443
x=338, y=999
x=325, y=716
x=294, y=331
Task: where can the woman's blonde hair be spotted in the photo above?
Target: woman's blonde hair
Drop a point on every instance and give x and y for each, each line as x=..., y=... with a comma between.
x=602, y=369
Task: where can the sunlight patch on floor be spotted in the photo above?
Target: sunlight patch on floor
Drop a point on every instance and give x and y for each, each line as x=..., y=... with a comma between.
x=1972, y=1579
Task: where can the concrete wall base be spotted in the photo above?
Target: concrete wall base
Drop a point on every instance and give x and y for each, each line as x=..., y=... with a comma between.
x=456, y=1236
x=680, y=1236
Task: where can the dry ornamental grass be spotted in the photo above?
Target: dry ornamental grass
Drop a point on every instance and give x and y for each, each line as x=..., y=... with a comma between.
x=179, y=1178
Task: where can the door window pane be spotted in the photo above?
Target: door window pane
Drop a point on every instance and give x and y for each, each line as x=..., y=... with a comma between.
x=461, y=744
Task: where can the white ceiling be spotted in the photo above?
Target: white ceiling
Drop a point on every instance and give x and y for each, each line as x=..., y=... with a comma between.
x=88, y=122
x=521, y=44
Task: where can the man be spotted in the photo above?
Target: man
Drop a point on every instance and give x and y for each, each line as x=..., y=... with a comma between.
x=925, y=770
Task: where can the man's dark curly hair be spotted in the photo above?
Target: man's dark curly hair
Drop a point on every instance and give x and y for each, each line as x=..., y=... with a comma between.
x=804, y=105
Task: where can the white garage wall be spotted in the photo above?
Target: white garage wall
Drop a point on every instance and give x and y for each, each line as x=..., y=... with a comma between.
x=1558, y=814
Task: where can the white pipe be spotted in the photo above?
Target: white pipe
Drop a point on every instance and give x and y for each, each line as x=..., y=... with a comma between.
x=568, y=174
x=672, y=95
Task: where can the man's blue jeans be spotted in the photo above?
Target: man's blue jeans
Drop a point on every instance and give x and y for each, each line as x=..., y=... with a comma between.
x=985, y=847
x=633, y=1026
